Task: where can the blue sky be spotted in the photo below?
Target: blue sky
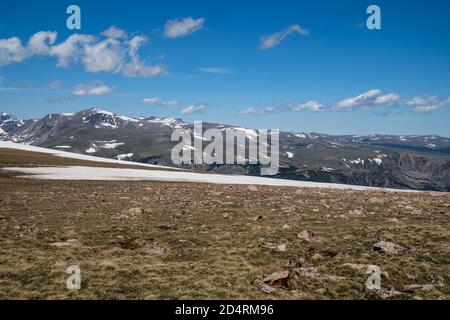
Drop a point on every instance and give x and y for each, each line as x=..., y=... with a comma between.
x=294, y=65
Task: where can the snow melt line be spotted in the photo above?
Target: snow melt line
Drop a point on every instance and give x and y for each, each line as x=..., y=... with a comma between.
x=115, y=174
x=72, y=155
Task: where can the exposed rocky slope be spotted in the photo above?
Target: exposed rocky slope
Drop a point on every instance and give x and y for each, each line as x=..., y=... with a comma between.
x=415, y=162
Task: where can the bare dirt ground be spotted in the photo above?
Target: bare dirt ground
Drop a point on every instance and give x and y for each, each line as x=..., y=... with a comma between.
x=155, y=240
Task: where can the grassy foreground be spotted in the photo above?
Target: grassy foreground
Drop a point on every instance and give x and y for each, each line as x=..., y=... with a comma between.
x=217, y=242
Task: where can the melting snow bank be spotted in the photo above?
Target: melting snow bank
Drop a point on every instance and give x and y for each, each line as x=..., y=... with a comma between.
x=65, y=154
x=115, y=174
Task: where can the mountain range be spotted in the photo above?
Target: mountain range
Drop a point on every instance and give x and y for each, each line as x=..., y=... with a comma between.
x=419, y=162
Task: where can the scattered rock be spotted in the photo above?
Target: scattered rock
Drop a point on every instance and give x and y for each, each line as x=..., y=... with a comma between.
x=166, y=226
x=278, y=279
x=316, y=257
x=67, y=243
x=279, y=248
x=388, y=247
x=305, y=236
x=226, y=215
x=257, y=218
x=157, y=249
x=309, y=272
x=355, y=213
x=253, y=188
x=437, y=280
x=287, y=227
x=422, y=287
x=386, y=294
x=130, y=213
x=264, y=287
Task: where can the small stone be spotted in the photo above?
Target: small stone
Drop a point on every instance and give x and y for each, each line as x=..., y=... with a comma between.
x=386, y=294
x=305, y=236
x=166, y=226
x=422, y=287
x=287, y=227
x=226, y=215
x=388, y=247
x=316, y=257
x=264, y=287
x=67, y=243
x=282, y=248
x=278, y=279
x=257, y=218
x=135, y=211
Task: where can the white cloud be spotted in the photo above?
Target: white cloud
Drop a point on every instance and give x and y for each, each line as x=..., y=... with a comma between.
x=71, y=49
x=215, y=70
x=311, y=105
x=254, y=110
x=40, y=43
x=97, y=88
x=11, y=50
x=114, y=33
x=426, y=104
x=104, y=56
x=137, y=68
x=270, y=41
x=182, y=27
x=113, y=54
x=159, y=102
x=193, y=109
x=367, y=99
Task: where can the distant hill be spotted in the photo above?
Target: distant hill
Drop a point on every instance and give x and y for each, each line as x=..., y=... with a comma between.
x=409, y=162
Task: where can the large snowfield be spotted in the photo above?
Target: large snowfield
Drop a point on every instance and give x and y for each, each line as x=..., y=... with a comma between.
x=119, y=174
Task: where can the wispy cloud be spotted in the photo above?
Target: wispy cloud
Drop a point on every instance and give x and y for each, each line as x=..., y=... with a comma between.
x=427, y=104
x=97, y=88
x=59, y=99
x=311, y=105
x=10, y=89
x=216, y=70
x=54, y=85
x=255, y=110
x=114, y=32
x=272, y=40
x=365, y=100
x=117, y=53
x=369, y=99
x=160, y=102
x=194, y=108
x=137, y=68
x=177, y=28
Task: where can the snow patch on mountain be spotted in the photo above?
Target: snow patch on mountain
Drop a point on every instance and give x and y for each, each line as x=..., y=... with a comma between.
x=71, y=155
